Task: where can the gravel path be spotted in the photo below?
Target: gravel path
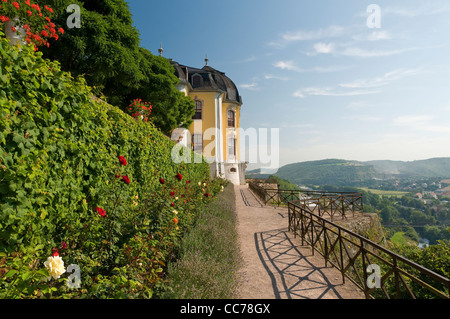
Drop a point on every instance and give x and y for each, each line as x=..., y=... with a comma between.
x=276, y=266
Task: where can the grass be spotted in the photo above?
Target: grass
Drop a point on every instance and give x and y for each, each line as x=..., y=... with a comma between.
x=401, y=238
x=209, y=256
x=383, y=192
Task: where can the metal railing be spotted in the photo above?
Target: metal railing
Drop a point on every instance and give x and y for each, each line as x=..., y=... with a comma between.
x=374, y=269
x=322, y=203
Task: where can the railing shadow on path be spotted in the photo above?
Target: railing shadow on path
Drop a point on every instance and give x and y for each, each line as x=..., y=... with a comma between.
x=295, y=272
x=353, y=255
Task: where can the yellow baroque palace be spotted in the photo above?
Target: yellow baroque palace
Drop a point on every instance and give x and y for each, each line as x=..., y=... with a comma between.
x=215, y=129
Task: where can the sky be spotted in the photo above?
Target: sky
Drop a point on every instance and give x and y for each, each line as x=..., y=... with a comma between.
x=348, y=79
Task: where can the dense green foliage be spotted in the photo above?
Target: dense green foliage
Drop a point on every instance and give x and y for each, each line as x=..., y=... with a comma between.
x=64, y=186
x=435, y=258
x=209, y=255
x=404, y=214
x=106, y=51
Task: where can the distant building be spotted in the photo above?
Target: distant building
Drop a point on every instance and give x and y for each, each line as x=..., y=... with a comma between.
x=216, y=122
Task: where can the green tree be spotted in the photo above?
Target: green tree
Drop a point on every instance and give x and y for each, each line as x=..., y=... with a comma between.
x=106, y=51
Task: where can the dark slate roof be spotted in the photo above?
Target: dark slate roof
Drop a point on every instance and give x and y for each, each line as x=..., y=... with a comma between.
x=212, y=79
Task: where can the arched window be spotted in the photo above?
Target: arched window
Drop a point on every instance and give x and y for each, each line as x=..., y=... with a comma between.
x=198, y=110
x=231, y=121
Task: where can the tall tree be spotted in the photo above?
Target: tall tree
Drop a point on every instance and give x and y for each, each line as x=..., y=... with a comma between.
x=106, y=51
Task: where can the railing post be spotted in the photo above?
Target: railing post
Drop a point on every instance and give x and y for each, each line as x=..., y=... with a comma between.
x=326, y=242
x=397, y=283
x=364, y=268
x=302, y=228
x=278, y=194
x=341, y=255
x=312, y=234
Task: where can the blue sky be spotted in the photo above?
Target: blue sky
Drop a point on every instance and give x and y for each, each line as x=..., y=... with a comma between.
x=335, y=87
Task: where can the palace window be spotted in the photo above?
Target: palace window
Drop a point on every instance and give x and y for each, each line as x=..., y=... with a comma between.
x=198, y=110
x=231, y=146
x=231, y=121
x=197, y=143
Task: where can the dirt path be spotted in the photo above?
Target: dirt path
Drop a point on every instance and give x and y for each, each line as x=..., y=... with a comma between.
x=276, y=266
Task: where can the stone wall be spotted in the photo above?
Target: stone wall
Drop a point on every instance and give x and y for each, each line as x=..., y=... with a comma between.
x=367, y=225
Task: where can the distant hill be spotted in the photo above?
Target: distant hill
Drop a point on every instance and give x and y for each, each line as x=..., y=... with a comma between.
x=346, y=173
x=331, y=171
x=434, y=167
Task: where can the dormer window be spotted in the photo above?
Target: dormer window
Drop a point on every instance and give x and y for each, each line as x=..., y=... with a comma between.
x=231, y=121
x=198, y=110
x=196, y=80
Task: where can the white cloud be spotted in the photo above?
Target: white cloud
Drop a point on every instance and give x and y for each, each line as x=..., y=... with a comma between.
x=250, y=86
x=362, y=118
x=423, y=123
x=330, y=32
x=326, y=91
x=363, y=53
x=413, y=120
x=292, y=66
x=332, y=68
x=382, y=80
x=373, y=36
x=325, y=48
x=314, y=35
x=287, y=65
x=275, y=77
x=425, y=9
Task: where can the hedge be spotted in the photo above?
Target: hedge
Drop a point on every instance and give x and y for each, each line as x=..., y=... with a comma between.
x=84, y=183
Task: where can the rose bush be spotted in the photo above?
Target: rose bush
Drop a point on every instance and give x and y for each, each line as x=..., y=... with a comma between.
x=35, y=21
x=82, y=179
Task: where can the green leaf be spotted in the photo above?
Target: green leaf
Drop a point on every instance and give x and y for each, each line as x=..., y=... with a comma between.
x=10, y=273
x=27, y=275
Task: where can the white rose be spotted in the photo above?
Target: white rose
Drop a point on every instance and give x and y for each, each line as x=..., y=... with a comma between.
x=55, y=266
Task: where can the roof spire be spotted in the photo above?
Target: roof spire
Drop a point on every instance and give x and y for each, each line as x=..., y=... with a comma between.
x=160, y=50
x=206, y=60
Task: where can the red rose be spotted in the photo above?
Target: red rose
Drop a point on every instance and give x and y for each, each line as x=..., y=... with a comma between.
x=100, y=211
x=63, y=245
x=123, y=161
x=162, y=181
x=55, y=252
x=207, y=194
x=173, y=204
x=172, y=193
x=125, y=179
x=179, y=176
